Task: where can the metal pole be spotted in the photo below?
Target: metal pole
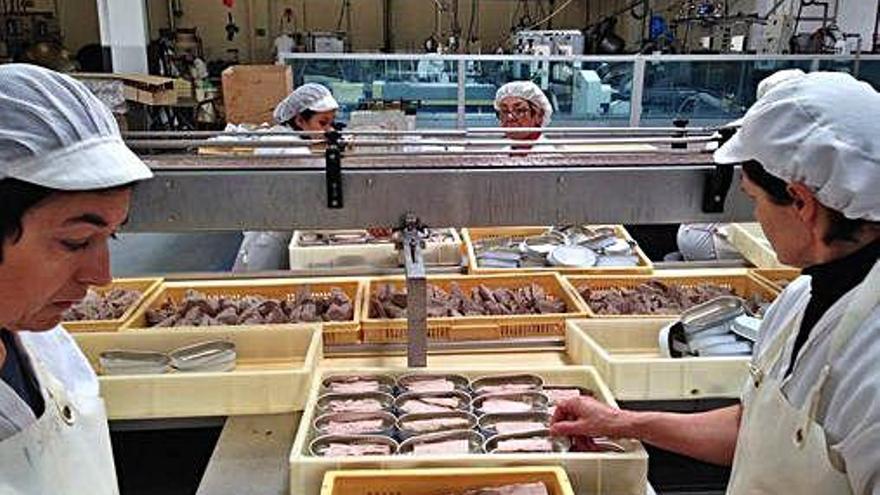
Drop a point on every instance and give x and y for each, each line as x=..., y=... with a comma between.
x=638, y=83
x=461, y=107
x=416, y=299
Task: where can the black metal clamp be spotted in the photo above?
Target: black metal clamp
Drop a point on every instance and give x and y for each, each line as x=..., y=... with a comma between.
x=333, y=159
x=718, y=181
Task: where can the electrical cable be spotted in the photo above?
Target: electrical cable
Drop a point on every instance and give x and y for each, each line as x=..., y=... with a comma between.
x=552, y=14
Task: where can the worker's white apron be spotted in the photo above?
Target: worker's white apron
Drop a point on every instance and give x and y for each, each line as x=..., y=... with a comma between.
x=782, y=449
x=65, y=451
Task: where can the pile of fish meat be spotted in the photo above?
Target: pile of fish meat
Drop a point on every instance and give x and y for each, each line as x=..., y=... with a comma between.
x=652, y=297
x=390, y=302
x=534, y=444
x=358, y=427
x=518, y=489
x=354, y=405
x=434, y=424
x=353, y=386
x=109, y=305
x=356, y=449
x=430, y=405
x=198, y=309
x=444, y=447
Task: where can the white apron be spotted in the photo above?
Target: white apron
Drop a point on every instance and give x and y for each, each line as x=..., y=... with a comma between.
x=65, y=451
x=782, y=449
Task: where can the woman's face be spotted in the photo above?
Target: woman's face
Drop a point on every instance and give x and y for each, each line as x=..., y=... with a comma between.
x=320, y=121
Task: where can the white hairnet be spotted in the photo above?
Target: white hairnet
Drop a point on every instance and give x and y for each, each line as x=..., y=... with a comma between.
x=775, y=79
x=819, y=129
x=529, y=91
x=309, y=96
x=55, y=133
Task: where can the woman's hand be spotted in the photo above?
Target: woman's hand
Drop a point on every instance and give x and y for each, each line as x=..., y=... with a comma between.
x=587, y=417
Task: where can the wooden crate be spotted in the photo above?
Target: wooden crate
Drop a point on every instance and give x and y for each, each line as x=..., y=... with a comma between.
x=442, y=480
x=448, y=329
x=474, y=234
x=627, y=355
x=335, y=332
x=739, y=281
x=146, y=285
x=272, y=375
x=774, y=276
x=622, y=473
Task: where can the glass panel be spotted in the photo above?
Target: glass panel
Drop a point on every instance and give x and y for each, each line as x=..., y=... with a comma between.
x=869, y=70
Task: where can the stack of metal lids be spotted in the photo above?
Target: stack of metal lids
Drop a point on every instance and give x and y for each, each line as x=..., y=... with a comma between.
x=718, y=327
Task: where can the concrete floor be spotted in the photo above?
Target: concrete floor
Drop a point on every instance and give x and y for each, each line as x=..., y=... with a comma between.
x=134, y=255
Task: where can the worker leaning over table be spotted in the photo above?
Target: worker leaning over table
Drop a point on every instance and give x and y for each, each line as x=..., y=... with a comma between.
x=65, y=187
x=310, y=107
x=809, y=422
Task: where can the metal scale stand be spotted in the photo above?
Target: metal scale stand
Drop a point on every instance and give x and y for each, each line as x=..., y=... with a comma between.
x=409, y=238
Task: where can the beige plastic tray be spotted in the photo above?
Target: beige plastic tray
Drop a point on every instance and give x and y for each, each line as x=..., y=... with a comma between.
x=590, y=473
x=777, y=277
x=368, y=255
x=146, y=285
x=471, y=235
x=441, y=480
x=447, y=329
x=272, y=375
x=335, y=332
x=739, y=281
x=627, y=355
x=750, y=241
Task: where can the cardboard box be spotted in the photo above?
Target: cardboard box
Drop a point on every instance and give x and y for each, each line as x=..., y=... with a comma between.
x=251, y=92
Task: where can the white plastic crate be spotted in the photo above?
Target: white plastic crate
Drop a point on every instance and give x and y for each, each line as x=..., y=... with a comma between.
x=379, y=255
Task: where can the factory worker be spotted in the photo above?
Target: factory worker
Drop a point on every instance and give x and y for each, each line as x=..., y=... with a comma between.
x=65, y=187
x=310, y=107
x=809, y=421
x=523, y=104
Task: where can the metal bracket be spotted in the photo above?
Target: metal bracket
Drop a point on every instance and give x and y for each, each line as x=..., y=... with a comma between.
x=333, y=158
x=717, y=183
x=410, y=238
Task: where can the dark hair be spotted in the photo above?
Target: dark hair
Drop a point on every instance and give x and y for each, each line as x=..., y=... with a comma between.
x=17, y=197
x=306, y=114
x=840, y=228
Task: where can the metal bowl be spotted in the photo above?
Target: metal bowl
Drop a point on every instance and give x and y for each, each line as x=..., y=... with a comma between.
x=463, y=399
x=488, y=423
x=387, y=427
x=483, y=385
x=458, y=382
x=384, y=383
x=474, y=439
x=319, y=445
x=556, y=444
x=536, y=401
x=406, y=431
x=386, y=401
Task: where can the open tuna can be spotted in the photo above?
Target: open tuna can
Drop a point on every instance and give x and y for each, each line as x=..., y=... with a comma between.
x=365, y=402
x=432, y=382
x=507, y=423
x=214, y=355
x=432, y=402
x=353, y=446
x=354, y=384
x=561, y=393
x=352, y=423
x=410, y=425
x=119, y=362
x=456, y=442
x=528, y=442
x=521, y=402
x=522, y=382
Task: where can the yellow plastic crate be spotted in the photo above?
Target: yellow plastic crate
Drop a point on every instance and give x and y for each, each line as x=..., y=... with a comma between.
x=593, y=473
x=434, y=481
x=740, y=282
x=627, y=355
x=474, y=234
x=147, y=286
x=448, y=329
x=776, y=277
x=335, y=332
x=272, y=375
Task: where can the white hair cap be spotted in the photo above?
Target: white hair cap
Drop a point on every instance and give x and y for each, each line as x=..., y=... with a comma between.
x=55, y=133
x=819, y=129
x=529, y=91
x=310, y=96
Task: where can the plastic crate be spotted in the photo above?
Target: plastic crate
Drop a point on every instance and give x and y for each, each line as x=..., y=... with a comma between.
x=627, y=355
x=448, y=329
x=740, y=282
x=592, y=473
x=474, y=234
x=434, y=481
x=776, y=277
x=272, y=375
x=147, y=286
x=382, y=255
x=750, y=241
x=335, y=332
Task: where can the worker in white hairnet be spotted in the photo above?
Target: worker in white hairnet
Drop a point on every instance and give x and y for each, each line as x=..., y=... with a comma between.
x=809, y=420
x=311, y=107
x=708, y=241
x=522, y=104
x=65, y=187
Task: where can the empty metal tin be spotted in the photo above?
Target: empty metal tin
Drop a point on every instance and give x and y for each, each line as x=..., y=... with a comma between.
x=121, y=362
x=321, y=446
x=531, y=421
x=425, y=382
x=353, y=384
x=215, y=355
x=364, y=402
x=535, y=401
x=474, y=441
x=556, y=444
x=572, y=256
x=462, y=399
x=386, y=427
x=549, y=389
x=711, y=314
x=410, y=425
x=520, y=382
